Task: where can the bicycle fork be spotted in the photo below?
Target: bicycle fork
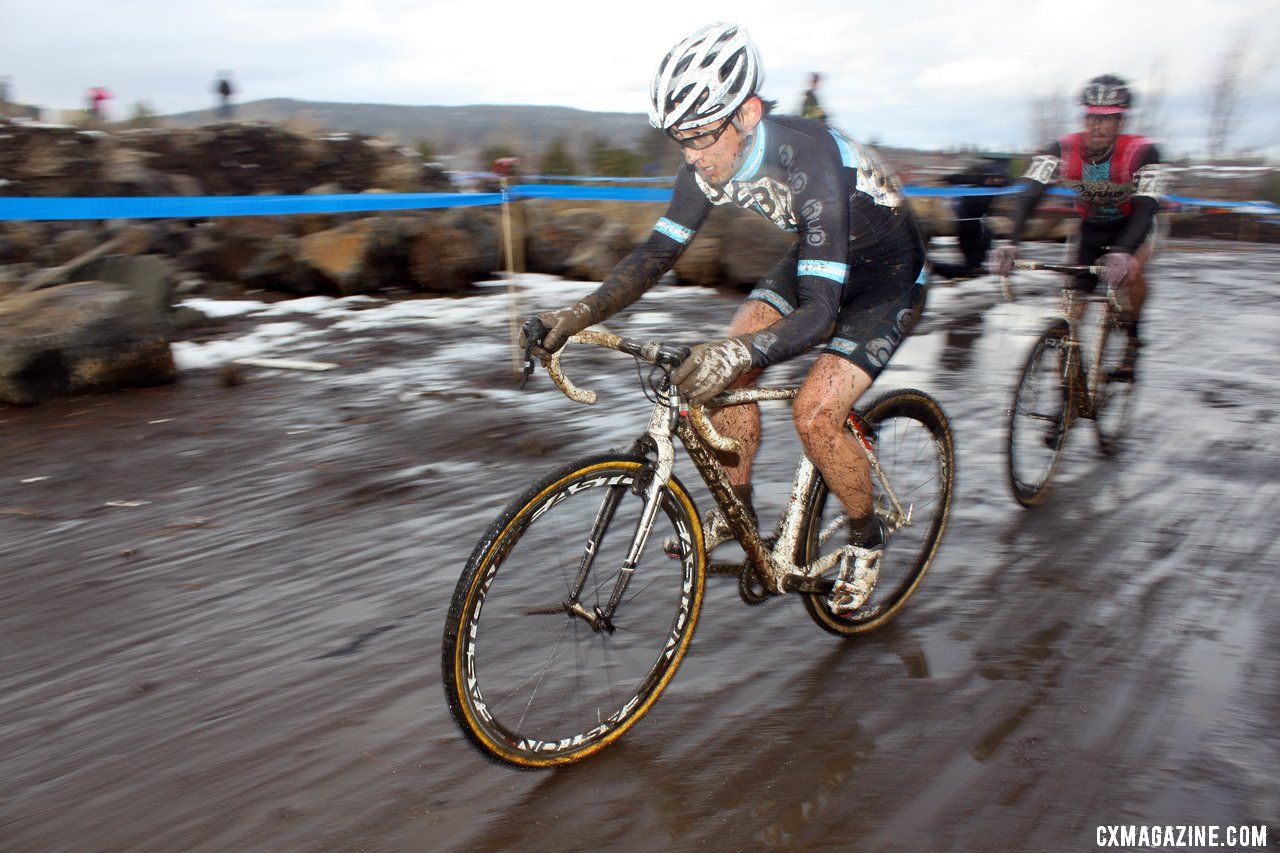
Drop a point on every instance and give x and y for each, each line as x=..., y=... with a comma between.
x=652, y=480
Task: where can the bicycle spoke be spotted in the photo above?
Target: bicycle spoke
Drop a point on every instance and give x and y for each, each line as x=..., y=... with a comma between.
x=642, y=589
x=496, y=705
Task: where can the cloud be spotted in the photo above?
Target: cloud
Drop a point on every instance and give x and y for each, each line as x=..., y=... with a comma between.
x=913, y=71
x=979, y=71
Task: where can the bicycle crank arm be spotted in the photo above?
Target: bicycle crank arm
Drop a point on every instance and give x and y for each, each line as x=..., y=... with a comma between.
x=805, y=585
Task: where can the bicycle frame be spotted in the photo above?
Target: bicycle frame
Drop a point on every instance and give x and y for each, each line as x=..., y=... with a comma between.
x=779, y=566
x=1083, y=380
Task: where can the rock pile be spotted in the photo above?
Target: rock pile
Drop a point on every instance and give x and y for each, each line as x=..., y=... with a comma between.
x=228, y=159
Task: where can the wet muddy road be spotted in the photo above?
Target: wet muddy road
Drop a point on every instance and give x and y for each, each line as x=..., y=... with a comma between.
x=221, y=607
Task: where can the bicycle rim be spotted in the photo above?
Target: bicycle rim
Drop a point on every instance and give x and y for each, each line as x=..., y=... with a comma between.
x=1039, y=418
x=530, y=683
x=915, y=451
x=1113, y=398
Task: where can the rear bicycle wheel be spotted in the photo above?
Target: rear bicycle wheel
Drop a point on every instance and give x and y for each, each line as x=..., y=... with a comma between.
x=529, y=679
x=1040, y=416
x=915, y=450
x=1114, y=392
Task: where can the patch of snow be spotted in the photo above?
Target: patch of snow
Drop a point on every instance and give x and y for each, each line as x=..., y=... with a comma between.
x=267, y=338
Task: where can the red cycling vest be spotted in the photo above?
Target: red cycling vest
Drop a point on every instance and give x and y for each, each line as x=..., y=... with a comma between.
x=1117, y=190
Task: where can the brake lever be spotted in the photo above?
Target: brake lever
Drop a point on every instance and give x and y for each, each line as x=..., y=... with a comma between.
x=534, y=331
x=527, y=369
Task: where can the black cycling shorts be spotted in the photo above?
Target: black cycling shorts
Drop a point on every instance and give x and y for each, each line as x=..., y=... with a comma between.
x=884, y=301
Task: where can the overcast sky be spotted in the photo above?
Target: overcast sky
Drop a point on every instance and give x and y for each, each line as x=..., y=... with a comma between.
x=929, y=73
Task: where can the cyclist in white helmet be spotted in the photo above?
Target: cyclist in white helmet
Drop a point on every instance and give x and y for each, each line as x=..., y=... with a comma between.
x=851, y=284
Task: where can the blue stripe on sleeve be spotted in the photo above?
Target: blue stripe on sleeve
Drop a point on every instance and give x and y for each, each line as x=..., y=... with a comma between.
x=771, y=298
x=824, y=269
x=843, y=346
x=676, y=232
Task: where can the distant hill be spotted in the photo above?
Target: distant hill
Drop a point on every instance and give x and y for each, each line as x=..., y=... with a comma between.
x=459, y=130
x=459, y=134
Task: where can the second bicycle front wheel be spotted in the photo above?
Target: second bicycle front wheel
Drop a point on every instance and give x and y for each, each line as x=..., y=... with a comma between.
x=539, y=669
x=914, y=448
x=1040, y=416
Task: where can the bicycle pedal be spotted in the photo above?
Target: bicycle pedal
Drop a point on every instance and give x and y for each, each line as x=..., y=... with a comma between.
x=672, y=548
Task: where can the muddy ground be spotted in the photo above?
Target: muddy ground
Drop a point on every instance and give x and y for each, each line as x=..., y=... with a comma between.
x=222, y=606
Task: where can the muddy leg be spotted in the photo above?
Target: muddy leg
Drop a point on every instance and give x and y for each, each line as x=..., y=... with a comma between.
x=743, y=422
x=829, y=392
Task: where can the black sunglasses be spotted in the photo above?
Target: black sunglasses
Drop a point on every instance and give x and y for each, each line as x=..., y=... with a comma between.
x=702, y=140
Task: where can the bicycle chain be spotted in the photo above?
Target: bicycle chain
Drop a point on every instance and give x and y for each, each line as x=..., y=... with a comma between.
x=750, y=589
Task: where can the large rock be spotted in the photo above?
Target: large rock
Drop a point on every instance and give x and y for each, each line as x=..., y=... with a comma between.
x=227, y=247
x=551, y=243
x=594, y=258
x=454, y=249
x=275, y=266
x=751, y=247
x=89, y=336
x=148, y=277
x=339, y=255
x=701, y=262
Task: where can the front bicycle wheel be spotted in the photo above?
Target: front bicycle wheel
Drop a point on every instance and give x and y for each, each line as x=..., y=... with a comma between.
x=1115, y=385
x=538, y=669
x=1040, y=416
x=912, y=442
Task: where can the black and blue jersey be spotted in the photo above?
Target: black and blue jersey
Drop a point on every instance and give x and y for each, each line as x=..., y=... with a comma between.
x=845, y=208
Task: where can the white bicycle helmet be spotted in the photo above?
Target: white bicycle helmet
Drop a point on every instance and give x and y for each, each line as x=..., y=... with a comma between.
x=705, y=78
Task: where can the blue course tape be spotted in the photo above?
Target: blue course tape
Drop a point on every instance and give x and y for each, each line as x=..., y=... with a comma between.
x=1258, y=206
x=180, y=207
x=590, y=193
x=596, y=179
x=207, y=207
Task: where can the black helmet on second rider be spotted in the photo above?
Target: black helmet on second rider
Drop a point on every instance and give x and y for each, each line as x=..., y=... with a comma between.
x=704, y=79
x=1106, y=95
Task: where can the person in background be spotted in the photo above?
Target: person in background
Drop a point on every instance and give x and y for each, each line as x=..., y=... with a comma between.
x=97, y=104
x=506, y=167
x=225, y=91
x=811, y=108
x=972, y=233
x=1119, y=181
